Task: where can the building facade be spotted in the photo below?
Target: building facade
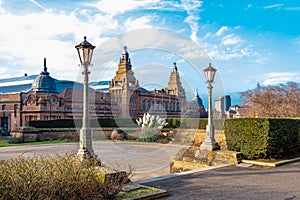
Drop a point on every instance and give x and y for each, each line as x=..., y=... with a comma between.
x=222, y=105
x=47, y=98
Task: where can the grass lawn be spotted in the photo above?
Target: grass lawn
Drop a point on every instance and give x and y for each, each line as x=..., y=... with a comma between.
x=136, y=193
x=5, y=143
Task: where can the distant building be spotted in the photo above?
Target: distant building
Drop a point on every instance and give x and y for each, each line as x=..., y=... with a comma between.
x=132, y=101
x=41, y=97
x=233, y=112
x=222, y=105
x=195, y=108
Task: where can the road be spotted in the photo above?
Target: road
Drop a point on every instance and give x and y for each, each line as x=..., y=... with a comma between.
x=146, y=159
x=235, y=182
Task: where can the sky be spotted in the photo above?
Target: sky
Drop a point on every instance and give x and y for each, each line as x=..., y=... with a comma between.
x=248, y=42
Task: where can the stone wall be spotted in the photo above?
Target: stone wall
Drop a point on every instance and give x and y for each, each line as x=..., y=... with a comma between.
x=195, y=137
x=30, y=134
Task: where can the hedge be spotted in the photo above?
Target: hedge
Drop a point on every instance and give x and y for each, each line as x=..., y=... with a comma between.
x=262, y=137
x=72, y=123
x=184, y=123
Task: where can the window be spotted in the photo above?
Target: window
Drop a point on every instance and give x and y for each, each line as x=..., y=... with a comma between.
x=143, y=104
x=177, y=107
x=15, y=109
x=4, y=107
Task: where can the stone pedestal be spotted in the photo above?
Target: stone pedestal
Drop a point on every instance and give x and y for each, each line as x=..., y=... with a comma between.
x=191, y=158
x=27, y=133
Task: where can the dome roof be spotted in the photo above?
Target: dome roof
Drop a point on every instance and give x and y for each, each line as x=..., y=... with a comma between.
x=44, y=83
x=197, y=101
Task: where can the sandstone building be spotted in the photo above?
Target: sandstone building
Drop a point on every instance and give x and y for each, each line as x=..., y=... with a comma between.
x=41, y=97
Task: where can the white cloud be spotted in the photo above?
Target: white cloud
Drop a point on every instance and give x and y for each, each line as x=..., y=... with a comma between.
x=193, y=10
x=226, y=43
x=137, y=23
x=293, y=8
x=230, y=40
x=37, y=4
x=114, y=7
x=281, y=77
x=222, y=30
x=274, y=6
x=34, y=36
x=2, y=11
x=28, y=38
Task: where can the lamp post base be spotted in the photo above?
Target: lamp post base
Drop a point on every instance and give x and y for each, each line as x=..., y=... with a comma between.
x=209, y=143
x=85, y=147
x=210, y=146
x=85, y=154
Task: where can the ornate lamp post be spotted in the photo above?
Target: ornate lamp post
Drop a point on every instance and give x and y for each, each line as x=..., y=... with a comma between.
x=85, y=52
x=209, y=142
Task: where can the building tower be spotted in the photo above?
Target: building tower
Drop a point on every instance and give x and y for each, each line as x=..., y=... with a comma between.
x=123, y=86
x=174, y=86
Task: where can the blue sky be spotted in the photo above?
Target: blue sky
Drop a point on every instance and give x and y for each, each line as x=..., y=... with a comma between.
x=247, y=41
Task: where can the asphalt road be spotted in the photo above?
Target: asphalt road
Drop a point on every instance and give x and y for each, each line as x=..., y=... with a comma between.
x=235, y=182
x=145, y=159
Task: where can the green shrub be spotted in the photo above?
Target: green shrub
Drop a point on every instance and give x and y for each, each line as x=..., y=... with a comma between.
x=262, y=137
x=58, y=177
x=118, y=134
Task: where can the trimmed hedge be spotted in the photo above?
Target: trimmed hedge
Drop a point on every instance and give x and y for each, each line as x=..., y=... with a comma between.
x=184, y=123
x=73, y=123
x=262, y=137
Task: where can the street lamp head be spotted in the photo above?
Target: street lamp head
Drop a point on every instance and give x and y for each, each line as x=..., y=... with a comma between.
x=209, y=73
x=85, y=52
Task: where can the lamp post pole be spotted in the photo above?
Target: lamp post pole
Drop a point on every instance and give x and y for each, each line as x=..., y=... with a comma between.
x=210, y=143
x=85, y=52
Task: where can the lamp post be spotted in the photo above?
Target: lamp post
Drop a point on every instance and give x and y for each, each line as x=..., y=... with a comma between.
x=85, y=52
x=209, y=143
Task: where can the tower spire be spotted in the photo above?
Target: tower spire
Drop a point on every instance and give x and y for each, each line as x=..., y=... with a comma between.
x=174, y=67
x=44, y=72
x=45, y=66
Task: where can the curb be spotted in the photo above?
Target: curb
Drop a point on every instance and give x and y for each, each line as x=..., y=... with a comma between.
x=268, y=164
x=180, y=174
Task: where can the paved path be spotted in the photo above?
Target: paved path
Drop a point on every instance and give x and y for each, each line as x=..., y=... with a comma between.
x=146, y=159
x=235, y=182
x=151, y=160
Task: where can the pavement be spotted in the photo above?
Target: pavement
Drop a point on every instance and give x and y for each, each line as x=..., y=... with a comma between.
x=150, y=163
x=146, y=160
x=244, y=181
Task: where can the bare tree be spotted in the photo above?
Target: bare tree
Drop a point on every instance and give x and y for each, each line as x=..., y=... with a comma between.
x=272, y=101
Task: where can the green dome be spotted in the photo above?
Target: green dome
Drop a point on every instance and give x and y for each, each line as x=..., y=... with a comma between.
x=44, y=83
